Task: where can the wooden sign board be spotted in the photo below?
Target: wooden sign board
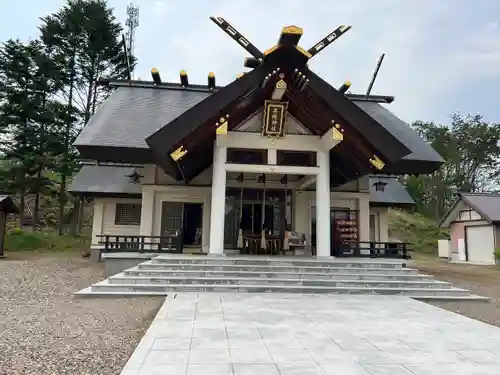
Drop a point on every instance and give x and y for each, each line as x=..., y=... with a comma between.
x=273, y=123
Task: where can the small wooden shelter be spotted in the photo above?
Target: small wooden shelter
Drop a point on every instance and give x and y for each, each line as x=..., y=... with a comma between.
x=7, y=206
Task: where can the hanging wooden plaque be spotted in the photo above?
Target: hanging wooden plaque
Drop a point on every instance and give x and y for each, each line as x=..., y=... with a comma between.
x=273, y=124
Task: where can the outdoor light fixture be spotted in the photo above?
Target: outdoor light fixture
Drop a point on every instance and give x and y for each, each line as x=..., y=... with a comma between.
x=380, y=185
x=240, y=179
x=134, y=178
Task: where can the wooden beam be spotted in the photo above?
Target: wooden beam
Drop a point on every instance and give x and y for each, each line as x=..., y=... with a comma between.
x=279, y=90
x=290, y=35
x=332, y=137
x=238, y=37
x=391, y=149
x=251, y=62
x=274, y=169
x=255, y=141
x=305, y=182
x=329, y=39
x=155, y=74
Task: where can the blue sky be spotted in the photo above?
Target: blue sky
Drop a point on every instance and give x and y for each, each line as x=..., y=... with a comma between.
x=441, y=55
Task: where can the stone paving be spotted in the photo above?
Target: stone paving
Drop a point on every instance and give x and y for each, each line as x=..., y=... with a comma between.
x=264, y=334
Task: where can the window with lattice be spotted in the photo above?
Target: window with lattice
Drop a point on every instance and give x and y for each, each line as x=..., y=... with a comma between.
x=128, y=214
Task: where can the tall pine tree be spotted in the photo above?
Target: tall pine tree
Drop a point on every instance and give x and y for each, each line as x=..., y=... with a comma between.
x=86, y=36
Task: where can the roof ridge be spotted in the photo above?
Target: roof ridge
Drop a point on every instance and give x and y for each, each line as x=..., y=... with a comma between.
x=482, y=193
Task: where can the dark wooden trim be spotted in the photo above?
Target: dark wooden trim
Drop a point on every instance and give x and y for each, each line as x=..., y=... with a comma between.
x=165, y=139
x=390, y=148
x=466, y=245
x=411, y=166
x=116, y=154
x=94, y=194
x=205, y=88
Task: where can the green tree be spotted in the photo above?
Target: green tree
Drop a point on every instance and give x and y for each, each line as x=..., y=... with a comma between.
x=86, y=36
x=470, y=147
x=30, y=77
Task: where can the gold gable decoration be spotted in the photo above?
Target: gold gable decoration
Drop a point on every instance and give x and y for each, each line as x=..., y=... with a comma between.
x=222, y=126
x=274, y=119
x=178, y=154
x=377, y=163
x=337, y=133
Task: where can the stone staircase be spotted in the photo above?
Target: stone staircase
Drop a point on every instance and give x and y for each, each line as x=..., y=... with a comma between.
x=183, y=273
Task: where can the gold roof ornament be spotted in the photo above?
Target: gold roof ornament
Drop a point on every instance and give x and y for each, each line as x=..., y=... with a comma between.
x=222, y=129
x=178, y=154
x=377, y=163
x=337, y=133
x=292, y=29
x=281, y=84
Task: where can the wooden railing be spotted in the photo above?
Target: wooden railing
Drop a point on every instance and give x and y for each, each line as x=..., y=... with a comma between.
x=171, y=243
x=371, y=249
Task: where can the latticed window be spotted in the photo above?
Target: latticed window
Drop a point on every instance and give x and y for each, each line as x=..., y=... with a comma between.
x=128, y=214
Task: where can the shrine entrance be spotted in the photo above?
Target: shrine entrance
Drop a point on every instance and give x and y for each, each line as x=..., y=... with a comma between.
x=253, y=216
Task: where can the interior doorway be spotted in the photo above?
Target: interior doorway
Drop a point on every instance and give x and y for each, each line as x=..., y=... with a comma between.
x=185, y=216
x=192, y=221
x=244, y=210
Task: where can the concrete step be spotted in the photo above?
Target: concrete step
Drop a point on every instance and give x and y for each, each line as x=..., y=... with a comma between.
x=470, y=297
x=139, y=272
x=218, y=280
x=154, y=264
x=278, y=260
x=139, y=289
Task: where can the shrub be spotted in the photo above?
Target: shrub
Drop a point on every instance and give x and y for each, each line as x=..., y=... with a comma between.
x=18, y=239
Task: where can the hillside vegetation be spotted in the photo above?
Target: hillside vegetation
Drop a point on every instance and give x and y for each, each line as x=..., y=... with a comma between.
x=416, y=229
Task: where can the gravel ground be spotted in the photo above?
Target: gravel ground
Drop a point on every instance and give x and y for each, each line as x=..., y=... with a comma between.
x=481, y=280
x=44, y=329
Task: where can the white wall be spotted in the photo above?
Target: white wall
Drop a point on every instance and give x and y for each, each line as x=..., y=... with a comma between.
x=104, y=219
x=154, y=195
x=381, y=223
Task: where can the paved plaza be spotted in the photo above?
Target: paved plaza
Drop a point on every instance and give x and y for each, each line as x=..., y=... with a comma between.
x=264, y=334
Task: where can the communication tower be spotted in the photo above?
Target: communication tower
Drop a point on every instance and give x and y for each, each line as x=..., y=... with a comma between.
x=132, y=22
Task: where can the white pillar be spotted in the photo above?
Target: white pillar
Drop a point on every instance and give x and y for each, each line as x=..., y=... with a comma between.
x=218, y=204
x=364, y=218
x=323, y=225
x=97, y=222
x=383, y=225
x=148, y=213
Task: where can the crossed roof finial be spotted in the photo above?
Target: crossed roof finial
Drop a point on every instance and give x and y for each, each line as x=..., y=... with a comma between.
x=290, y=35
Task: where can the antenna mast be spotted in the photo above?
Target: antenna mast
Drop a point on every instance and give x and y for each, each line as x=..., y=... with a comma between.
x=132, y=22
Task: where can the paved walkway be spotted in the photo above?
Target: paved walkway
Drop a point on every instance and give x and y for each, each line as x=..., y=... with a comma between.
x=246, y=334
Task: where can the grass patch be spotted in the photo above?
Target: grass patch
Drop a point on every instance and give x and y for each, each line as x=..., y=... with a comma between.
x=44, y=240
x=421, y=232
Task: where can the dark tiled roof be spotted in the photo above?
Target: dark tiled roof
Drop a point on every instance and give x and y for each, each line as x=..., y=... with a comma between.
x=421, y=150
x=7, y=205
x=487, y=204
x=394, y=192
x=131, y=114
x=103, y=181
